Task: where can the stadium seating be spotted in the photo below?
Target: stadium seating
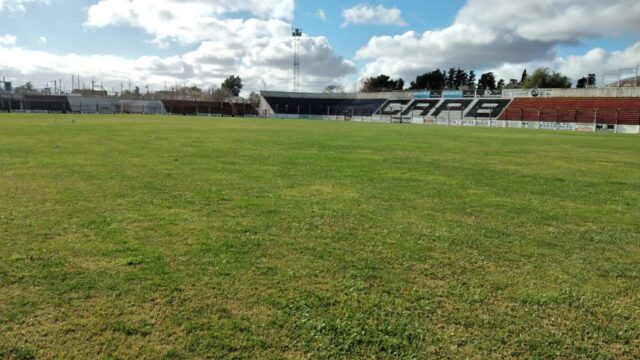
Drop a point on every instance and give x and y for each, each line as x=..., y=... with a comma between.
x=186, y=107
x=488, y=108
x=322, y=107
x=8, y=103
x=46, y=103
x=452, y=106
x=605, y=111
x=622, y=111
x=393, y=107
x=419, y=108
x=244, y=109
x=93, y=104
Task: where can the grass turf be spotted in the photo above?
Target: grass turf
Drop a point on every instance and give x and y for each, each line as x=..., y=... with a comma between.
x=174, y=237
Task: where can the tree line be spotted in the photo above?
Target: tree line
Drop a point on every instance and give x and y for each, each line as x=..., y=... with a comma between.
x=460, y=79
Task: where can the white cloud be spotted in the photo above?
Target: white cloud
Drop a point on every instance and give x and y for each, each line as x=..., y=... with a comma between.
x=370, y=14
x=499, y=34
x=203, y=67
x=598, y=61
x=154, y=14
x=259, y=50
x=320, y=14
x=8, y=40
x=42, y=40
x=558, y=20
x=17, y=5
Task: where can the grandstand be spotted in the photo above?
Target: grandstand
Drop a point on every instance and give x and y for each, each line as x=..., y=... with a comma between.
x=46, y=103
x=77, y=104
x=308, y=105
x=620, y=111
x=419, y=108
x=488, y=108
x=452, y=108
x=393, y=107
x=605, y=109
x=592, y=109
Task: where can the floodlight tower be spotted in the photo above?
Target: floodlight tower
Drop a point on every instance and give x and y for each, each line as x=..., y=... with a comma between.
x=297, y=35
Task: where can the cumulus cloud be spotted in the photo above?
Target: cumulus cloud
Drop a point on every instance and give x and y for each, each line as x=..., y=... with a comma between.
x=558, y=20
x=201, y=67
x=370, y=14
x=260, y=51
x=598, y=61
x=153, y=14
x=258, y=47
x=7, y=40
x=502, y=34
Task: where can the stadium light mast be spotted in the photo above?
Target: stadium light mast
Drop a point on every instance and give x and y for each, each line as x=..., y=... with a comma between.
x=297, y=35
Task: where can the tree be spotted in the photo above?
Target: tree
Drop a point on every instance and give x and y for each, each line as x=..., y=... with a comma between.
x=513, y=84
x=524, y=76
x=254, y=99
x=221, y=94
x=501, y=84
x=588, y=81
x=27, y=88
x=451, y=78
x=381, y=83
x=545, y=78
x=429, y=81
x=136, y=92
x=334, y=89
x=471, y=80
x=461, y=79
x=233, y=84
x=487, y=81
x=582, y=83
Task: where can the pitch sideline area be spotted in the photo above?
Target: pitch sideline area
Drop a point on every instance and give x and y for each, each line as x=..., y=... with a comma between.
x=182, y=237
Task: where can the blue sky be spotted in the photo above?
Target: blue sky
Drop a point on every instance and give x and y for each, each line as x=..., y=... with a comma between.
x=61, y=22
x=419, y=16
x=203, y=41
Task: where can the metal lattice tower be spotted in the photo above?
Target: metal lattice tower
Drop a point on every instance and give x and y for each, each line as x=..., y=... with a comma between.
x=297, y=35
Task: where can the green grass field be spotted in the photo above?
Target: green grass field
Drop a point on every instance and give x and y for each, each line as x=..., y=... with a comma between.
x=174, y=237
